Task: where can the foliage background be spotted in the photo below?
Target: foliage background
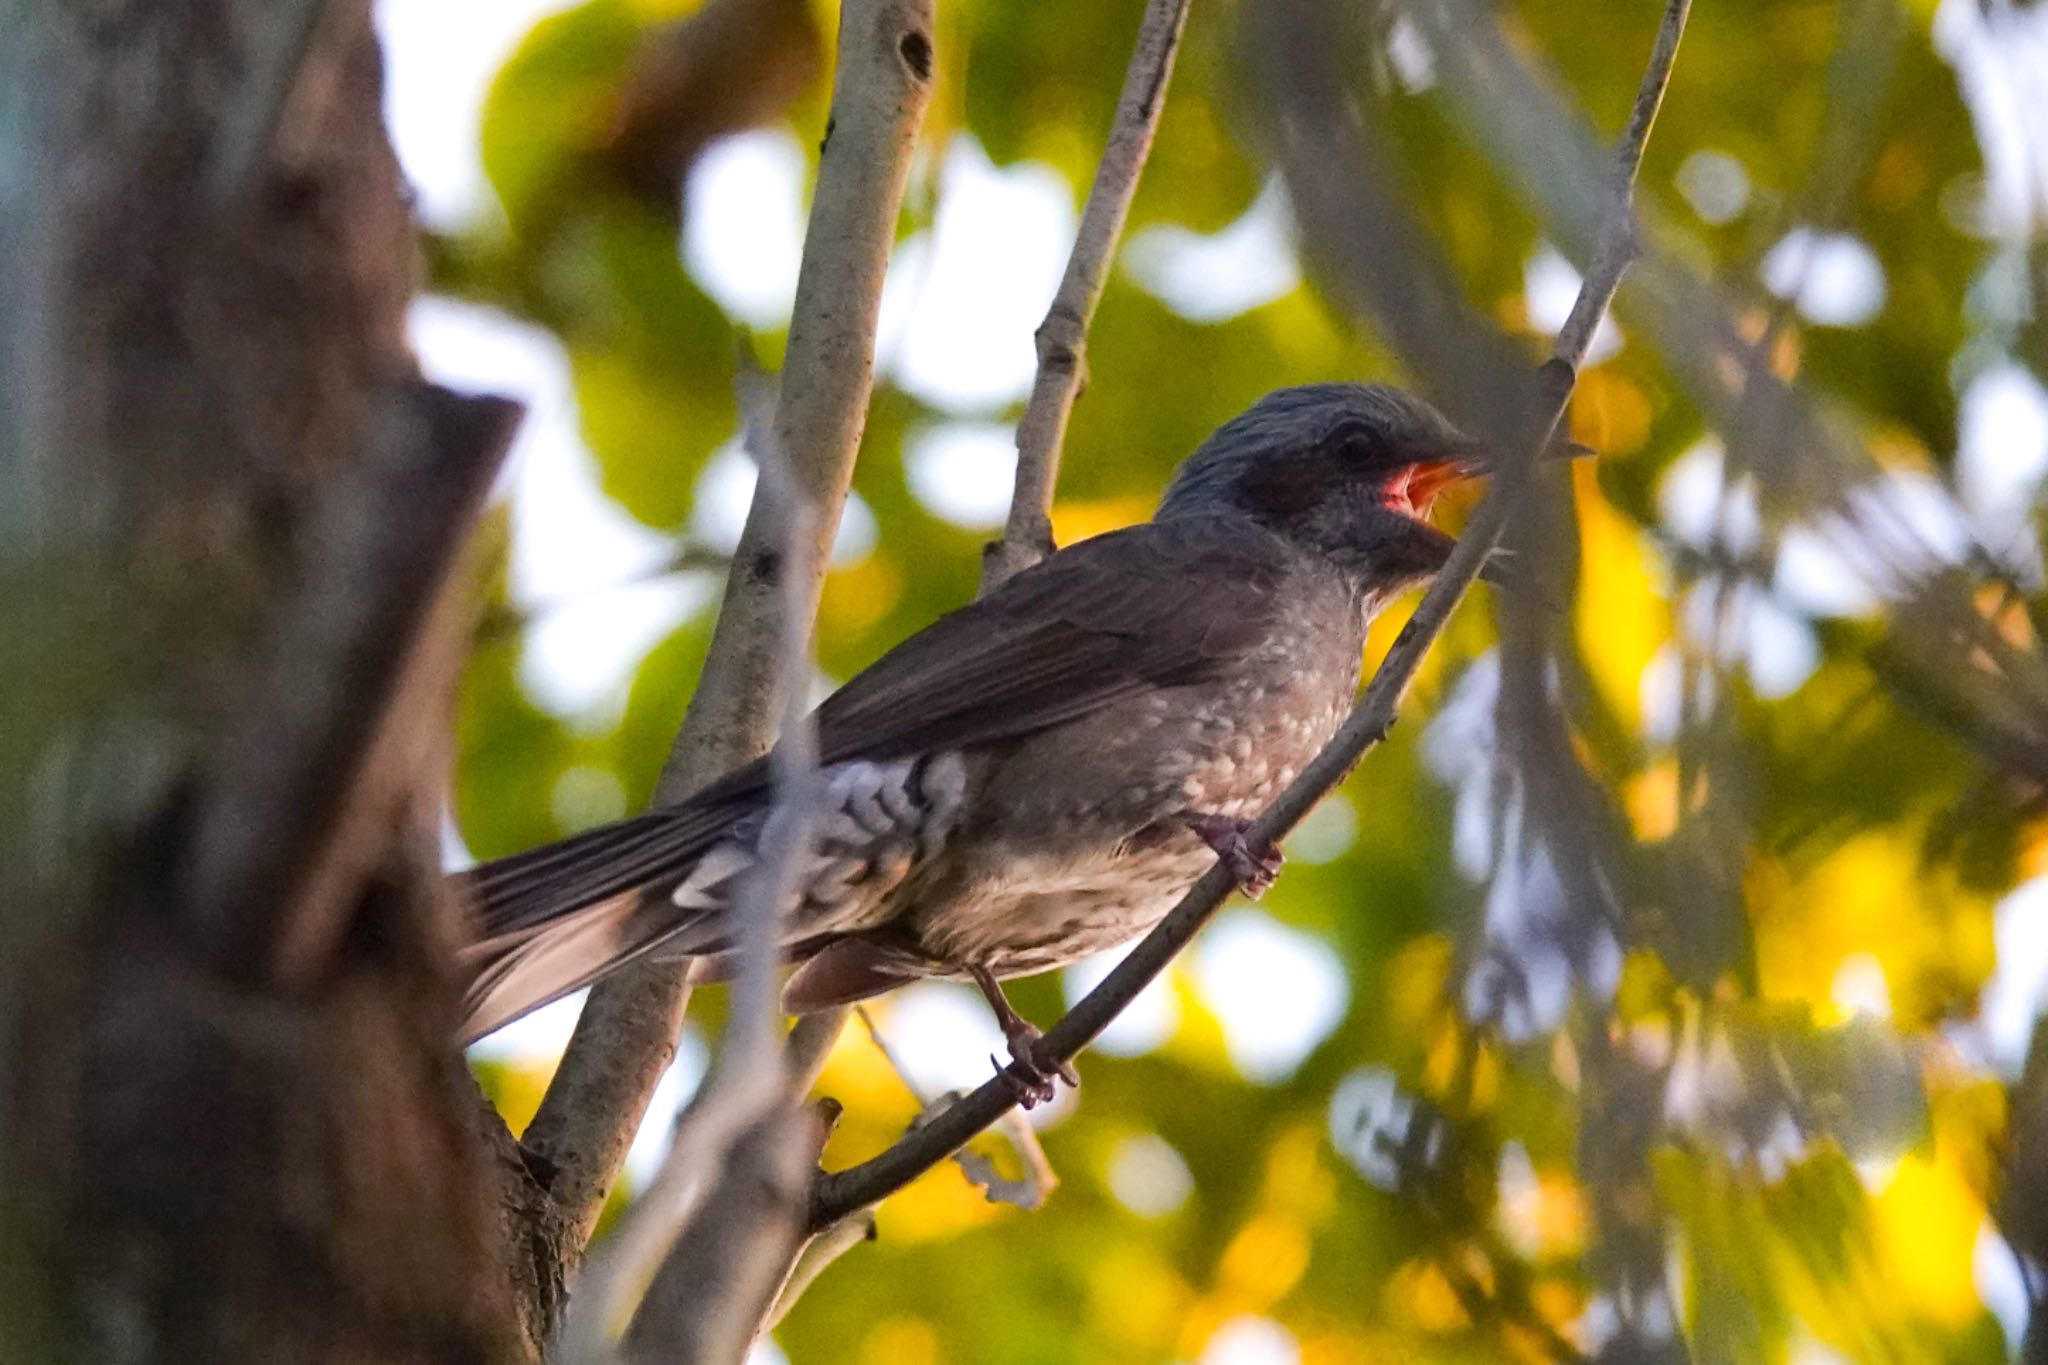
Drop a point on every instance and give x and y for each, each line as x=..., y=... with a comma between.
x=1422, y=1103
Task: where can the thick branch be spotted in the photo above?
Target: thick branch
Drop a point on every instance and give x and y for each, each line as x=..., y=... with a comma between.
x=275, y=819
x=842, y=1192
x=628, y=1030
x=259, y=118
x=199, y=397
x=1062, y=337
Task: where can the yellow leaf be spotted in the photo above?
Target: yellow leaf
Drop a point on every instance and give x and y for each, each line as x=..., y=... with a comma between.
x=1926, y=1223
x=1623, y=620
x=1610, y=413
x=1652, y=800
x=1414, y=990
x=1072, y=521
x=1264, y=1260
x=1422, y=1292
x=900, y=1341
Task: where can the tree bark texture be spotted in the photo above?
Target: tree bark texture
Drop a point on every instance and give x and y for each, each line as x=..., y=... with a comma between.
x=230, y=1129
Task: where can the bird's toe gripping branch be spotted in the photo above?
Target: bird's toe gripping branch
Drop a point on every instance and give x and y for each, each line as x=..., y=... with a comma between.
x=1028, y=1073
x=1256, y=868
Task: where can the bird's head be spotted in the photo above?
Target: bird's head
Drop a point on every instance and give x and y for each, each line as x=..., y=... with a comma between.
x=1348, y=470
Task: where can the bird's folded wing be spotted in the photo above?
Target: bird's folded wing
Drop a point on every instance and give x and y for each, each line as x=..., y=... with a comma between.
x=1151, y=606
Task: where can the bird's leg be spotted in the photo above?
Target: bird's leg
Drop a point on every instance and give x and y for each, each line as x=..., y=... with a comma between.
x=1255, y=868
x=1030, y=1077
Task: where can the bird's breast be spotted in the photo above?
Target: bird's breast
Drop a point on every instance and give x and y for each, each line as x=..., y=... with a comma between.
x=1078, y=839
x=1045, y=912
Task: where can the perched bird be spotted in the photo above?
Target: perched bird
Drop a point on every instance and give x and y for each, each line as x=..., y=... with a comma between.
x=1039, y=775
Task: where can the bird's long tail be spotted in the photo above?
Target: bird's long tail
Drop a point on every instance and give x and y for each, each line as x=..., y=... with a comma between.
x=556, y=918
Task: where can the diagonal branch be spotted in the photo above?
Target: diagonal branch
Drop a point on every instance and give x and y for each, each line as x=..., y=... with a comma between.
x=840, y=1193
x=1062, y=338
x=628, y=1030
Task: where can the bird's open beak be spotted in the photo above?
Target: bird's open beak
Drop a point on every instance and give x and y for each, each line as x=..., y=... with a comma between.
x=1430, y=477
x=1427, y=478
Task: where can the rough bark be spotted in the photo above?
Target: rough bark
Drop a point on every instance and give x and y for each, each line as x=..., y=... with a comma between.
x=205, y=257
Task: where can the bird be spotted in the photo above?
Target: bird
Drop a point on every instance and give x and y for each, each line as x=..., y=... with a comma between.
x=1037, y=776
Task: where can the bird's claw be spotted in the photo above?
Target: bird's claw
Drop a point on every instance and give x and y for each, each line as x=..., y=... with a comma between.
x=1028, y=1075
x=1031, y=1088
x=1255, y=869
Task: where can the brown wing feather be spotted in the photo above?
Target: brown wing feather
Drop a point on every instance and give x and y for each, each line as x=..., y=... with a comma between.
x=1152, y=605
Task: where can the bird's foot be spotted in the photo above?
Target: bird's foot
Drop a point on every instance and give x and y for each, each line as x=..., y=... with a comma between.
x=1028, y=1074
x=1255, y=868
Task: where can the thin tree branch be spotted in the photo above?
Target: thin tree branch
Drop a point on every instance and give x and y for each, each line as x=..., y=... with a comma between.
x=1618, y=246
x=274, y=819
x=738, y=1146
x=840, y=1192
x=1062, y=338
x=628, y=1029
x=1039, y=1180
x=809, y=1046
x=709, y=1300
x=819, y=1252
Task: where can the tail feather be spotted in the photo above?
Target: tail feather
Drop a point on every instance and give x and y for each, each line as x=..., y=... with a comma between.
x=533, y=888
x=556, y=918
x=544, y=964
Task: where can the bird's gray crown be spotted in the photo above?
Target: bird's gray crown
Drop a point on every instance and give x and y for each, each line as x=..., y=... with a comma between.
x=1363, y=429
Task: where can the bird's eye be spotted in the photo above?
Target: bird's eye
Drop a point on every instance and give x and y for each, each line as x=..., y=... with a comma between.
x=1356, y=442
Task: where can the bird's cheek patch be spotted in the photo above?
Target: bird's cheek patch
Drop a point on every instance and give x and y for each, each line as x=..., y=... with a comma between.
x=1282, y=487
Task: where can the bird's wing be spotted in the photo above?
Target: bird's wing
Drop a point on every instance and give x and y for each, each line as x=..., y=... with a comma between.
x=1150, y=606
x=1155, y=605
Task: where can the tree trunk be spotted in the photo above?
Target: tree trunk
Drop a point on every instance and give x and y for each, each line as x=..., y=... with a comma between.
x=234, y=1126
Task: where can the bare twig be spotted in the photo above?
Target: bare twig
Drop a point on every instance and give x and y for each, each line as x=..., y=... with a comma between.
x=1027, y=1191
x=1536, y=140
x=1618, y=245
x=820, y=1251
x=275, y=819
x=1039, y=1180
x=628, y=1029
x=838, y=1193
x=1062, y=338
x=808, y=1047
